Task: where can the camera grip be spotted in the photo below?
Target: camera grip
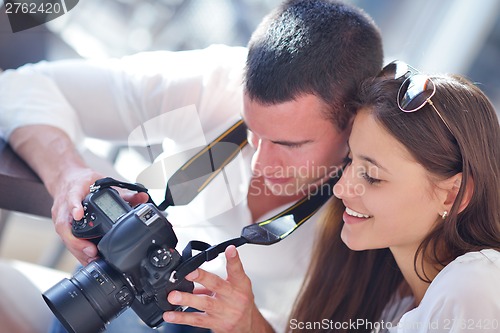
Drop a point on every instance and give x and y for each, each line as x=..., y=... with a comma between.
x=151, y=312
x=180, y=285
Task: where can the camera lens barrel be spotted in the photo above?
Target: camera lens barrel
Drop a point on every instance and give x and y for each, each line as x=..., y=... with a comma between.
x=137, y=258
x=90, y=299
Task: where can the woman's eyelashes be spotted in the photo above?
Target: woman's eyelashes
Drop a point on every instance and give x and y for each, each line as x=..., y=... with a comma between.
x=370, y=180
x=361, y=171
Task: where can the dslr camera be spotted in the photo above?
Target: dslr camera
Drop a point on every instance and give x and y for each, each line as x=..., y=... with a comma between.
x=136, y=266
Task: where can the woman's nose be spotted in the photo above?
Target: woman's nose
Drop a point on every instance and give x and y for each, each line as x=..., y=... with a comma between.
x=347, y=185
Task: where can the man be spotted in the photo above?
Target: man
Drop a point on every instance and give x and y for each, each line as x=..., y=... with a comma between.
x=302, y=66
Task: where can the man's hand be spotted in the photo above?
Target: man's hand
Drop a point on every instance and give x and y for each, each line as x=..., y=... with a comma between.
x=68, y=196
x=227, y=305
x=53, y=156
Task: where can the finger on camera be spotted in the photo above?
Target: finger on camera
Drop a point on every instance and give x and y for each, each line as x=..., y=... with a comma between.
x=210, y=281
x=197, y=319
x=134, y=198
x=83, y=250
x=199, y=302
x=77, y=212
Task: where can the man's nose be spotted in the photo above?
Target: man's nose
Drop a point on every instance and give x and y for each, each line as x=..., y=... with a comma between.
x=265, y=159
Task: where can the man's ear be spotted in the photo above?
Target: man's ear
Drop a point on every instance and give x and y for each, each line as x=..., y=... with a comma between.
x=452, y=187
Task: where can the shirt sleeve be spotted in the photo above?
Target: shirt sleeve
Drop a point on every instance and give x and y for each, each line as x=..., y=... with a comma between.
x=109, y=99
x=464, y=297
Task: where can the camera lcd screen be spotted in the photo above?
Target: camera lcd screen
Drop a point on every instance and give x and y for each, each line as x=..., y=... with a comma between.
x=109, y=206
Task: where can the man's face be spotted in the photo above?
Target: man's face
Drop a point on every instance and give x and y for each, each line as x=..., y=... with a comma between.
x=295, y=145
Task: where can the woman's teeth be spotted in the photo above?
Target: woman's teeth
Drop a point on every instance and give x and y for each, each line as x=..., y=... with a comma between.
x=355, y=214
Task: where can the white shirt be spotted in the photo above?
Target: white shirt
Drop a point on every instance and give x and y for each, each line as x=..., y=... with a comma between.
x=464, y=297
x=183, y=100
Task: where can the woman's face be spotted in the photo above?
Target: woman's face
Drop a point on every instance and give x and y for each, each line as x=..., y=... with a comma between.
x=390, y=201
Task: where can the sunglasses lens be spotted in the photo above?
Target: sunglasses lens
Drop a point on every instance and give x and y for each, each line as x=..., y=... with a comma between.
x=396, y=70
x=414, y=93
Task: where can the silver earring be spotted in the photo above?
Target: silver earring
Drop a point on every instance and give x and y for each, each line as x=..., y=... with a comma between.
x=445, y=213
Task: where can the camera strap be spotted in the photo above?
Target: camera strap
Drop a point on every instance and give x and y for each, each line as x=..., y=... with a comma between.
x=266, y=232
x=108, y=182
x=194, y=175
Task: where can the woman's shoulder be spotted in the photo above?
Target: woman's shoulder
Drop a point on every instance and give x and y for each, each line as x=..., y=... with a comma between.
x=465, y=293
x=471, y=274
x=484, y=264
x=487, y=255
x=470, y=283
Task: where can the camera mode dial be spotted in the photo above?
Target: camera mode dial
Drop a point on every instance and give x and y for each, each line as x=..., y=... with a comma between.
x=161, y=257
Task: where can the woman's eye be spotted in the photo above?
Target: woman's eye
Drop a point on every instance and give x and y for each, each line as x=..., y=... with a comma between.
x=370, y=180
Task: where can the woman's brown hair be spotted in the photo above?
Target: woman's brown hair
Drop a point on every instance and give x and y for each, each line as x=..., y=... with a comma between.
x=345, y=286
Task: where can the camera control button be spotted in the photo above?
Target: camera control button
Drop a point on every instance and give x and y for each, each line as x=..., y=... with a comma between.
x=124, y=296
x=80, y=224
x=161, y=258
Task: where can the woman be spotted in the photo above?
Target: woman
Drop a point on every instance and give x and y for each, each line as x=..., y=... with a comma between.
x=422, y=185
x=422, y=214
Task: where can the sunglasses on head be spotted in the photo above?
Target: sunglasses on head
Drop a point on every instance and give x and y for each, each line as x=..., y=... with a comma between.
x=416, y=89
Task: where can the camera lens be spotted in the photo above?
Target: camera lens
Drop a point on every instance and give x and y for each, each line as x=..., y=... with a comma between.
x=90, y=299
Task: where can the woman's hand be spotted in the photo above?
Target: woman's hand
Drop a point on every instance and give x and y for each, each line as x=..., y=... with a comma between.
x=227, y=306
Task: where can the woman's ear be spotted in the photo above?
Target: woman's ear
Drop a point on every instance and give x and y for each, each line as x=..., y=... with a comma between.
x=452, y=187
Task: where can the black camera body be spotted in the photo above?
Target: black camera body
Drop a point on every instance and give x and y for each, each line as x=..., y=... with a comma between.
x=101, y=210
x=136, y=266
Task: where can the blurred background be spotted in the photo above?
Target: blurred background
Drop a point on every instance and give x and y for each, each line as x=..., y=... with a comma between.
x=459, y=36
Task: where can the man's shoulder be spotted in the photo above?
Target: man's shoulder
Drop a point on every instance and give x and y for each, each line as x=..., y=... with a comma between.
x=217, y=66
x=213, y=54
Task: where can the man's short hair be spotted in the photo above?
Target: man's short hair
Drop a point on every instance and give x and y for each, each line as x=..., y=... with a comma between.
x=319, y=47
